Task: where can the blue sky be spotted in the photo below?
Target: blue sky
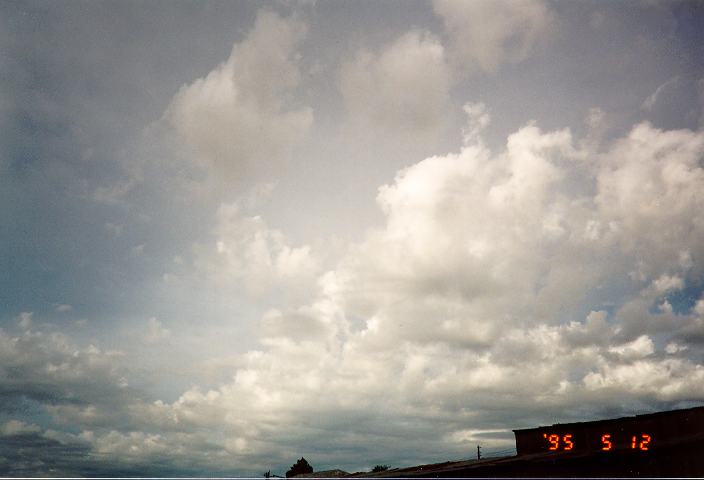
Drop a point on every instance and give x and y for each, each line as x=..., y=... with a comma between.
x=235, y=234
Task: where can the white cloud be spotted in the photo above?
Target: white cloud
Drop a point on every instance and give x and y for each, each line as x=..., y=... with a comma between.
x=648, y=186
x=649, y=102
x=156, y=332
x=638, y=348
x=501, y=287
x=668, y=379
x=248, y=252
x=17, y=427
x=129, y=444
x=699, y=307
x=114, y=228
x=84, y=415
x=498, y=288
x=594, y=331
x=115, y=193
x=137, y=251
x=477, y=120
x=292, y=326
x=465, y=310
x=240, y=118
x=488, y=33
x=673, y=348
x=50, y=368
x=666, y=283
x=403, y=89
x=25, y=320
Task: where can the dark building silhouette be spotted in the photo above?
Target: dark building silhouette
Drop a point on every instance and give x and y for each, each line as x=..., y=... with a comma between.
x=336, y=473
x=663, y=444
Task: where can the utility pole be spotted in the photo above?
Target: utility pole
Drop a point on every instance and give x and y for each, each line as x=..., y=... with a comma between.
x=479, y=452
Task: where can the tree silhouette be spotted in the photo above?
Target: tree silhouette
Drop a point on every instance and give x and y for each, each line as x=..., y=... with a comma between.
x=301, y=466
x=380, y=468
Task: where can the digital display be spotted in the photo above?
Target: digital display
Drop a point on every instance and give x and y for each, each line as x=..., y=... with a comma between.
x=637, y=435
x=565, y=442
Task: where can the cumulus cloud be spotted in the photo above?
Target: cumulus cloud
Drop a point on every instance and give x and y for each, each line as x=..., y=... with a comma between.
x=554, y=277
x=649, y=102
x=648, y=184
x=664, y=380
x=638, y=348
x=477, y=120
x=403, y=88
x=666, y=283
x=486, y=34
x=240, y=118
x=291, y=326
x=84, y=390
x=25, y=320
x=34, y=451
x=17, y=427
x=156, y=332
x=465, y=311
x=501, y=288
x=248, y=252
x=50, y=367
x=477, y=242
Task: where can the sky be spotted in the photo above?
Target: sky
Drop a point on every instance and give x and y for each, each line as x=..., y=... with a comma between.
x=237, y=233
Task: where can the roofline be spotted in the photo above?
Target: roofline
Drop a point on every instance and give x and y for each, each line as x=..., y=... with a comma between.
x=607, y=420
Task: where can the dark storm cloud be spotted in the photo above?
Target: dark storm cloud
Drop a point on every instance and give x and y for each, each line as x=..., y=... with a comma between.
x=48, y=369
x=38, y=454
x=31, y=454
